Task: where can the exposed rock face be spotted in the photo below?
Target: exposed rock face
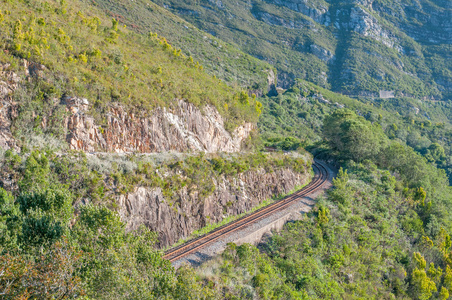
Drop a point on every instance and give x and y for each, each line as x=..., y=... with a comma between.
x=433, y=20
x=275, y=20
x=218, y=3
x=365, y=24
x=9, y=82
x=315, y=11
x=322, y=53
x=271, y=79
x=232, y=196
x=366, y=3
x=185, y=128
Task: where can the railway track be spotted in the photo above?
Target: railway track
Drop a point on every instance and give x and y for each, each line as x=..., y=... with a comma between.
x=176, y=253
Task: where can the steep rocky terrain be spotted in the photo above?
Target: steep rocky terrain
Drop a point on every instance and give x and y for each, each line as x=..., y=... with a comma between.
x=84, y=78
x=356, y=47
x=8, y=84
x=108, y=107
x=184, y=128
x=71, y=79
x=232, y=196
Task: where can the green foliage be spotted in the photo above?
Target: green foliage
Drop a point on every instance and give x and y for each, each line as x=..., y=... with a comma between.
x=42, y=256
x=50, y=273
x=106, y=262
x=420, y=261
x=40, y=230
x=422, y=285
x=7, y=204
x=383, y=232
x=353, y=136
x=444, y=294
x=219, y=58
x=9, y=225
x=36, y=172
x=100, y=227
x=426, y=181
x=359, y=248
x=52, y=201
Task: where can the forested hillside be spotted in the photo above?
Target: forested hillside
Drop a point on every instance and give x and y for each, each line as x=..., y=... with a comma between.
x=355, y=47
x=295, y=118
x=129, y=126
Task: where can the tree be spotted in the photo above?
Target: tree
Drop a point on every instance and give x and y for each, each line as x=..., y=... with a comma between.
x=55, y=202
x=437, y=151
x=45, y=215
x=36, y=173
x=423, y=286
x=49, y=275
x=9, y=220
x=40, y=230
x=443, y=294
x=352, y=136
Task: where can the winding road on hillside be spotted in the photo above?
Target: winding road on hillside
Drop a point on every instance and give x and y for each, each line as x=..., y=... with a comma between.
x=250, y=228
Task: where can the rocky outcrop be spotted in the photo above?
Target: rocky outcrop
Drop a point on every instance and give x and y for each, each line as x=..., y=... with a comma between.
x=322, y=53
x=272, y=19
x=218, y=3
x=184, y=128
x=9, y=82
x=232, y=196
x=424, y=21
x=362, y=22
x=312, y=9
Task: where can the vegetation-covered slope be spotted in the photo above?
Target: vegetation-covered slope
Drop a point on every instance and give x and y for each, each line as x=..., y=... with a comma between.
x=384, y=231
x=296, y=117
x=356, y=47
x=219, y=58
x=60, y=234
x=368, y=239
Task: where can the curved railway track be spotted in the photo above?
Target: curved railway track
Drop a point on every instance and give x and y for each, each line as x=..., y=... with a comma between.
x=176, y=253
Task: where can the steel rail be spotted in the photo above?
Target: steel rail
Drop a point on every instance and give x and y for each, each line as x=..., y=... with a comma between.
x=189, y=247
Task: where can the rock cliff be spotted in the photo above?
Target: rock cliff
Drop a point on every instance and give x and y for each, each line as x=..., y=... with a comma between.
x=183, y=128
x=313, y=9
x=9, y=82
x=232, y=196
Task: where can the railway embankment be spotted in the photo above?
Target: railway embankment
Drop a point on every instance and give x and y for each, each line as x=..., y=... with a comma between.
x=231, y=194
x=251, y=228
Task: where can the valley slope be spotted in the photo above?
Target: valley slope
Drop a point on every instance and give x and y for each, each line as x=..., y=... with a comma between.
x=353, y=47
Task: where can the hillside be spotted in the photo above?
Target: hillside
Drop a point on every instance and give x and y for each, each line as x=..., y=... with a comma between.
x=218, y=57
x=127, y=127
x=354, y=47
x=63, y=60
x=78, y=220
x=295, y=118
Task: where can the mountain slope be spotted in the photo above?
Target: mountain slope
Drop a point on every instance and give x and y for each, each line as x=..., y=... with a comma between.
x=218, y=57
x=69, y=60
x=355, y=47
